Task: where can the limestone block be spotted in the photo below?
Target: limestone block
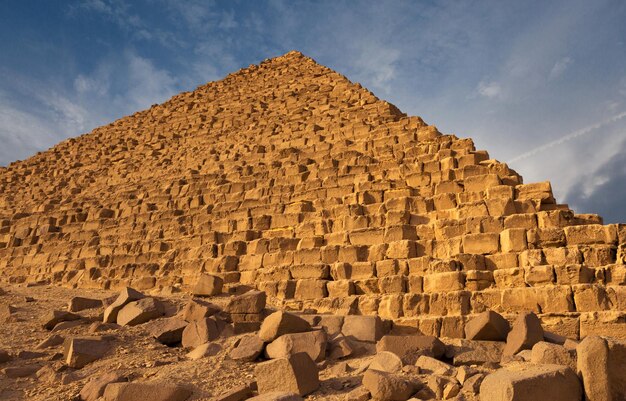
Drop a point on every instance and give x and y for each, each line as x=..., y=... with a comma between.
x=50, y=320
x=545, y=237
x=387, y=386
x=387, y=267
x=80, y=351
x=340, y=288
x=363, y=328
x=310, y=289
x=77, y=304
x=525, y=332
x=167, y=331
x=142, y=391
x=404, y=249
x=313, y=343
x=449, y=303
x=248, y=348
x=392, y=284
x=440, y=282
x=481, y=244
x=415, y=284
x=390, y=306
x=591, y=234
x=250, y=302
x=310, y=271
x=509, y=278
x=590, y=298
x=539, y=275
x=279, y=323
x=515, y=300
x=573, y=274
x=513, y=240
x=532, y=382
x=601, y=366
x=141, y=311
x=296, y=373
x=410, y=347
x=198, y=309
x=562, y=256
x=541, y=191
x=553, y=354
x=199, y=332
x=487, y=326
x=208, y=285
x=126, y=295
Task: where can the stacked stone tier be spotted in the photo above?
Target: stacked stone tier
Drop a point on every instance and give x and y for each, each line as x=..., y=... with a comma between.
x=289, y=178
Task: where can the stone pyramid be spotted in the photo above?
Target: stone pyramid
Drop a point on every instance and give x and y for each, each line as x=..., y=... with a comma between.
x=287, y=177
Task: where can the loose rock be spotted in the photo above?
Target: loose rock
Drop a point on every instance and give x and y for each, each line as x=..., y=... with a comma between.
x=141, y=311
x=248, y=349
x=78, y=304
x=411, y=347
x=487, y=326
x=208, y=286
x=145, y=391
x=387, y=386
x=279, y=323
x=525, y=333
x=126, y=296
x=531, y=383
x=297, y=373
x=312, y=342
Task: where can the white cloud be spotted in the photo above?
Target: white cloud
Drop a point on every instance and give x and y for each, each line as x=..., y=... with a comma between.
x=489, y=89
x=51, y=113
x=559, y=67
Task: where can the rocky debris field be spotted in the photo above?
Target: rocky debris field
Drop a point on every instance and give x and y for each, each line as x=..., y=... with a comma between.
x=77, y=344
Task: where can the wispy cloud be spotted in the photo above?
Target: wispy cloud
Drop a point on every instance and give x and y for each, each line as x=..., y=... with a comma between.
x=489, y=89
x=559, y=67
x=568, y=137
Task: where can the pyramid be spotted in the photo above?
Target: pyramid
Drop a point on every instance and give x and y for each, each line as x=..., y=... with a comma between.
x=289, y=178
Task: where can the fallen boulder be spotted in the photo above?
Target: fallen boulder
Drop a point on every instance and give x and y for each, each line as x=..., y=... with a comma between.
x=204, y=350
x=553, y=354
x=411, y=347
x=387, y=386
x=247, y=349
x=55, y=317
x=279, y=323
x=167, y=331
x=601, y=363
x=197, y=309
x=78, y=304
x=531, y=383
x=296, y=373
x=487, y=326
x=141, y=311
x=199, y=332
x=126, y=296
x=80, y=351
x=386, y=361
x=94, y=389
x=312, y=342
x=208, y=285
x=363, y=328
x=249, y=302
x=525, y=333
x=145, y=391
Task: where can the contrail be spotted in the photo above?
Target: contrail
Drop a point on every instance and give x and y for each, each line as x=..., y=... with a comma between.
x=569, y=137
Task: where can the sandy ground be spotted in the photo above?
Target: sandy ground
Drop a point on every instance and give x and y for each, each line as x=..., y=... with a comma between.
x=136, y=354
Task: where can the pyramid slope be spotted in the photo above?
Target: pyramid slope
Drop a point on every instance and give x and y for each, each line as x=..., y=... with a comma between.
x=290, y=178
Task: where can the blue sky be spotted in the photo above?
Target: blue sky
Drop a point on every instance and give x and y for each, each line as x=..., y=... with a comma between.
x=540, y=85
